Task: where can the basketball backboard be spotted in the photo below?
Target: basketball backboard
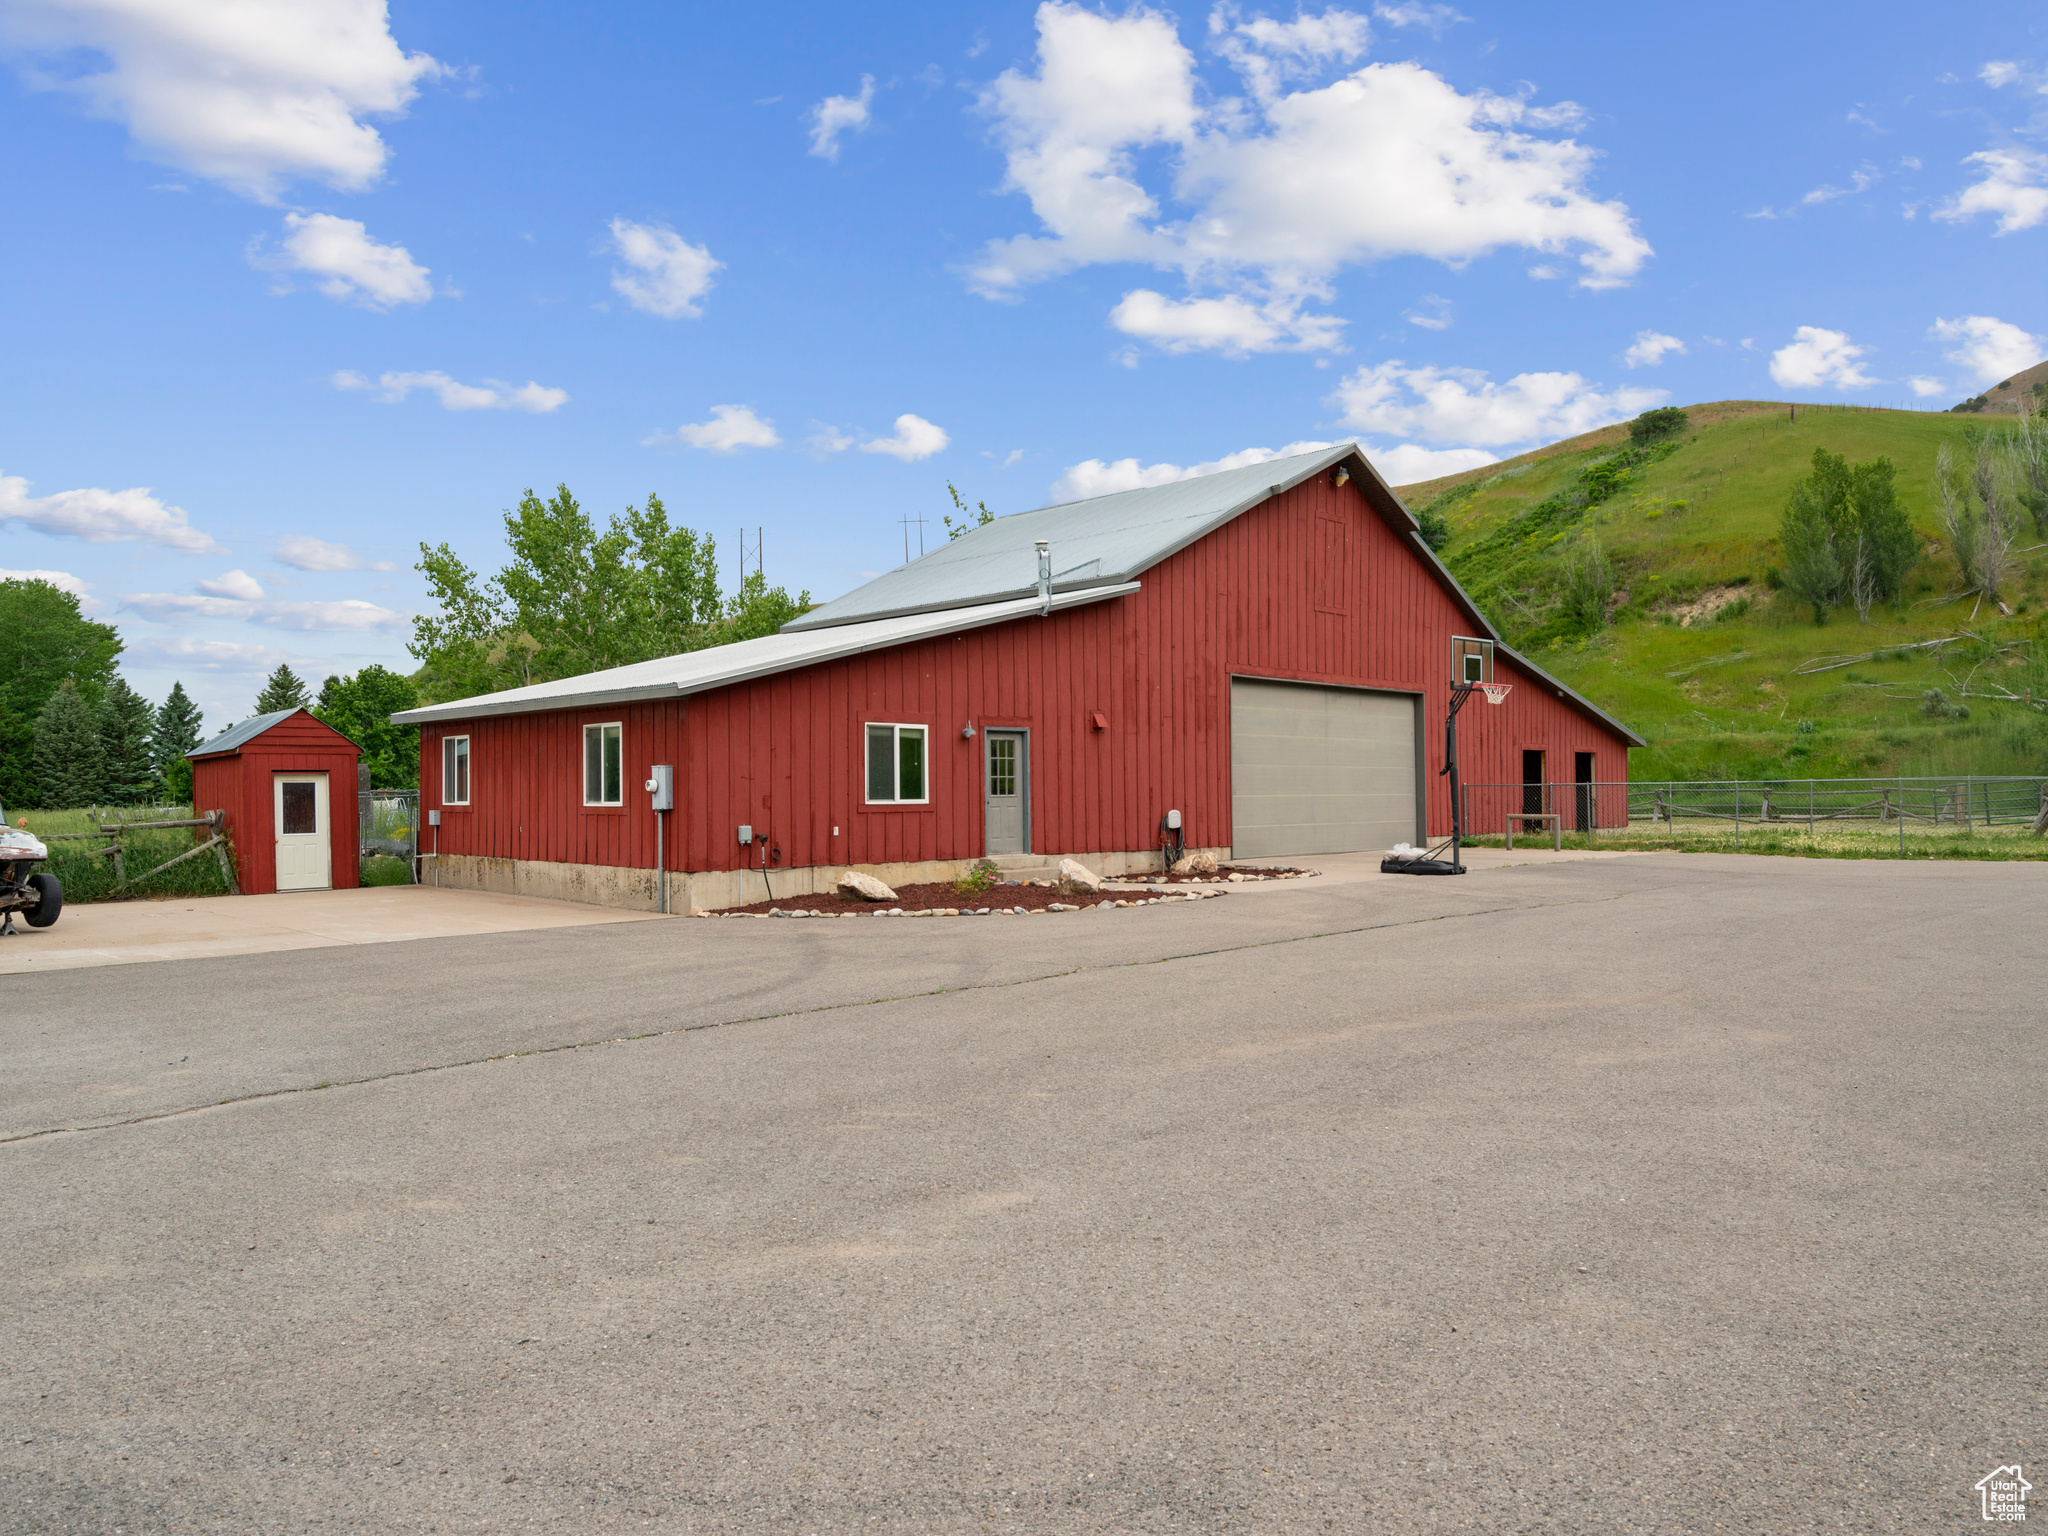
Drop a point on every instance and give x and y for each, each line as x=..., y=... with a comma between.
x=1471, y=660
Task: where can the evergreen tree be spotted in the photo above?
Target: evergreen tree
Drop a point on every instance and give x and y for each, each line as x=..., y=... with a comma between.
x=67, y=751
x=43, y=640
x=122, y=721
x=177, y=730
x=285, y=690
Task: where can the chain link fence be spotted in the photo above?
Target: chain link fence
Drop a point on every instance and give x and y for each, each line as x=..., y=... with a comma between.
x=389, y=820
x=1943, y=804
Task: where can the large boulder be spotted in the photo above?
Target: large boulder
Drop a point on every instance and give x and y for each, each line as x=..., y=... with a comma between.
x=866, y=887
x=1078, y=879
x=1200, y=862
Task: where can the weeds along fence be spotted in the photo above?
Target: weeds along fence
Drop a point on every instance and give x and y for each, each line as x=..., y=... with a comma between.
x=112, y=854
x=390, y=823
x=1948, y=805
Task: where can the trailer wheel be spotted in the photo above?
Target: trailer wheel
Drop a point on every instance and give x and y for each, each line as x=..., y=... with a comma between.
x=45, y=911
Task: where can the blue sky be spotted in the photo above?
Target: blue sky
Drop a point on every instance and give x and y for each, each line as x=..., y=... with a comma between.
x=292, y=287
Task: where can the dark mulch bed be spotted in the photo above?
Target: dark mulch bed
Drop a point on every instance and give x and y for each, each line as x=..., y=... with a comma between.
x=927, y=898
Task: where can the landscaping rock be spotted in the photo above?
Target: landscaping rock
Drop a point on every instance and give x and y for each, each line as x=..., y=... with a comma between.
x=1197, y=863
x=867, y=887
x=1078, y=879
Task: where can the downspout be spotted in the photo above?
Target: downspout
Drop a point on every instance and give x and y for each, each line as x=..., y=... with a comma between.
x=1044, y=578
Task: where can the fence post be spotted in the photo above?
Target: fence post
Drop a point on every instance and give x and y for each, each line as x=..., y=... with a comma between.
x=1738, y=815
x=1902, y=818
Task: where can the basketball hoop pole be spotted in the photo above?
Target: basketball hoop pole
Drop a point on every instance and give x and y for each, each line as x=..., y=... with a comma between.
x=1460, y=692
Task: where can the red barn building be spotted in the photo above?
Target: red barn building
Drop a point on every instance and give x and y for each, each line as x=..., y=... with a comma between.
x=288, y=785
x=1266, y=650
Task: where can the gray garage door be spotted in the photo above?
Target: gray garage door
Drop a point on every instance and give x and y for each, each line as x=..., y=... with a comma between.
x=1319, y=770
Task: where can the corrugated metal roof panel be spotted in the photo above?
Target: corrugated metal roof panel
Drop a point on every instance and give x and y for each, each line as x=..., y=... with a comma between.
x=1103, y=540
x=235, y=735
x=670, y=677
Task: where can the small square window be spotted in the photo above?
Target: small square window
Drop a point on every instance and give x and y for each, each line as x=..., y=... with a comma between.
x=603, y=765
x=896, y=765
x=455, y=770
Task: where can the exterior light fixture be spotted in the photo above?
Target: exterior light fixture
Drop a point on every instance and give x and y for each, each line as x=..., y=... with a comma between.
x=1343, y=476
x=967, y=731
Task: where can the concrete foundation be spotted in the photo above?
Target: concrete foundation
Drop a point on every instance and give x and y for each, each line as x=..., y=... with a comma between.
x=713, y=889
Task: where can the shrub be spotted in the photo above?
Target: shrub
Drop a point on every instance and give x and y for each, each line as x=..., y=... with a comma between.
x=1654, y=426
x=978, y=879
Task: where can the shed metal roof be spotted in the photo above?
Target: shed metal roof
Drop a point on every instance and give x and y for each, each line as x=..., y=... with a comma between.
x=670, y=677
x=236, y=735
x=1098, y=542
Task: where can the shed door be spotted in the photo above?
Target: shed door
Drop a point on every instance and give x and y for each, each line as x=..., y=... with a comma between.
x=1319, y=770
x=305, y=849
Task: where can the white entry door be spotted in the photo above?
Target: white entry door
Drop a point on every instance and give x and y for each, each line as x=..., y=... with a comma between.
x=304, y=847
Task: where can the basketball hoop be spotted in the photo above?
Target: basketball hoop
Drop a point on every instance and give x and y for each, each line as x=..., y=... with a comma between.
x=1496, y=693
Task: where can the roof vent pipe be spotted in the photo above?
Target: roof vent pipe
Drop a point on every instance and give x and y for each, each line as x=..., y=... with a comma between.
x=1044, y=578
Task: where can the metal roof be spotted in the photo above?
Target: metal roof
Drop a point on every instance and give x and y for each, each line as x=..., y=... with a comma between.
x=235, y=735
x=671, y=677
x=1098, y=542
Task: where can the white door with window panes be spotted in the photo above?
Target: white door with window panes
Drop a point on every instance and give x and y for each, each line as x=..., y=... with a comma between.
x=305, y=852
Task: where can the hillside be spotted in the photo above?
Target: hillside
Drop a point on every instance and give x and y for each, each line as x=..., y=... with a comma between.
x=2026, y=391
x=1699, y=650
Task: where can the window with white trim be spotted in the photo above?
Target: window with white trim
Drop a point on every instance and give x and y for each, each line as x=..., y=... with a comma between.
x=896, y=765
x=604, y=780
x=455, y=770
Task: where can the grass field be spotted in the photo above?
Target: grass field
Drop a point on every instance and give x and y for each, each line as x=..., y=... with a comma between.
x=88, y=875
x=1709, y=663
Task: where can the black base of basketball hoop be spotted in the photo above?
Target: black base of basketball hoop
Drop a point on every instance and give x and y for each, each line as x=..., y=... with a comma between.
x=1393, y=866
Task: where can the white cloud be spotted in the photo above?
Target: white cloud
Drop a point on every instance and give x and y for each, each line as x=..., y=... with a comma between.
x=1815, y=358
x=491, y=395
x=1232, y=325
x=1924, y=386
x=349, y=265
x=1095, y=477
x=102, y=517
x=2013, y=189
x=305, y=553
x=1408, y=463
x=63, y=581
x=183, y=651
x=248, y=95
x=1465, y=407
x=1999, y=72
x=826, y=439
x=235, y=584
x=1432, y=17
x=914, y=439
x=669, y=276
x=1862, y=181
x=839, y=114
x=1270, y=53
x=731, y=428
x=1432, y=312
x=348, y=615
x=1649, y=349
x=1275, y=194
x=1990, y=349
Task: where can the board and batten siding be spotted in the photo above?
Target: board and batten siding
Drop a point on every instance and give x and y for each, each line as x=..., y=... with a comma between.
x=1310, y=586
x=241, y=784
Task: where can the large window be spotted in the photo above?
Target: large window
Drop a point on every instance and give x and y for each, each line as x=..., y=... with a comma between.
x=603, y=778
x=455, y=770
x=896, y=765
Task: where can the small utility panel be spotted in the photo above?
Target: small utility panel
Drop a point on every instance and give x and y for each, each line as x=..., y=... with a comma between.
x=746, y=834
x=662, y=786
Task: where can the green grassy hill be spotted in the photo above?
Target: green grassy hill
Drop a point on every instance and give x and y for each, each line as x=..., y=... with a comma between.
x=1699, y=651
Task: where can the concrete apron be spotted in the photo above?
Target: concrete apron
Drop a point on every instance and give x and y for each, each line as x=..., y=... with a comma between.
x=712, y=890
x=196, y=928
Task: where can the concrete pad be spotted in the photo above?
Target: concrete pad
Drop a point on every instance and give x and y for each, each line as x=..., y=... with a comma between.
x=198, y=928
x=1335, y=869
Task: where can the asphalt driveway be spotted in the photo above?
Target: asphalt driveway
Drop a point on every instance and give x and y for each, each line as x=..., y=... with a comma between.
x=1656, y=1193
